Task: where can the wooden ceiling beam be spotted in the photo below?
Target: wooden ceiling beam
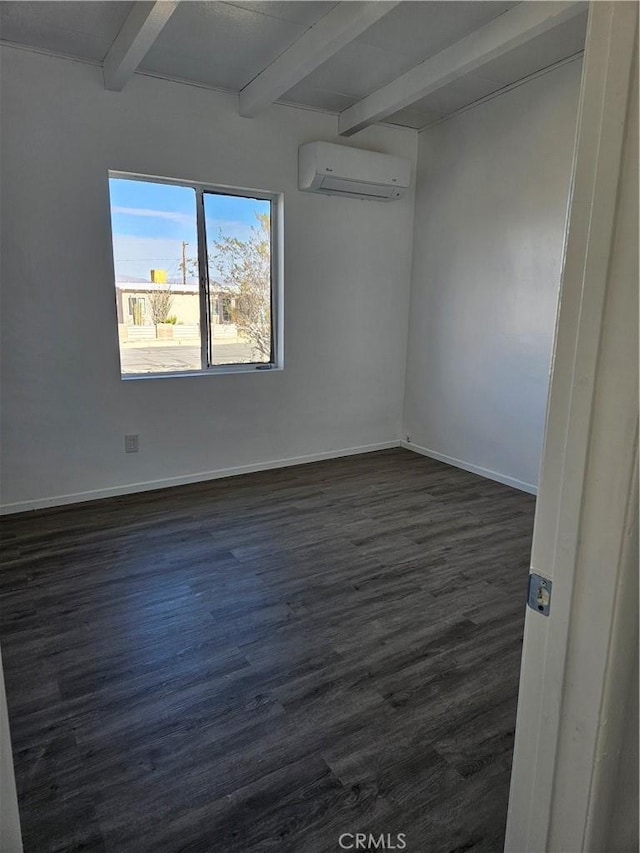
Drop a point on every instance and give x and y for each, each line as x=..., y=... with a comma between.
x=345, y=22
x=140, y=30
x=509, y=30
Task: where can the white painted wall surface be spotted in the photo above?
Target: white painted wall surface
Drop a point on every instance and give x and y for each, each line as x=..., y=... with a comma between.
x=491, y=203
x=65, y=409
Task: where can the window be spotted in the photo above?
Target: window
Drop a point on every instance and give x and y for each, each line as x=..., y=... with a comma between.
x=196, y=277
x=137, y=310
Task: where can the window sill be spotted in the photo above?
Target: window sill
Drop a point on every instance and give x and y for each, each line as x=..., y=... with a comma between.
x=222, y=370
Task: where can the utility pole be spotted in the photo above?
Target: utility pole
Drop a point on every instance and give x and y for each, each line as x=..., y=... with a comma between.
x=184, y=262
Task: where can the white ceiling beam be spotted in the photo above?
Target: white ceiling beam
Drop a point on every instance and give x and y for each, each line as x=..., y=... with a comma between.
x=509, y=30
x=335, y=30
x=141, y=28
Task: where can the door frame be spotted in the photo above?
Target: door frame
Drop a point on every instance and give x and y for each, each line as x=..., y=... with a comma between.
x=577, y=660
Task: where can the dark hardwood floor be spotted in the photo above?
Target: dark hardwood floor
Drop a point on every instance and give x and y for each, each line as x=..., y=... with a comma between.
x=266, y=662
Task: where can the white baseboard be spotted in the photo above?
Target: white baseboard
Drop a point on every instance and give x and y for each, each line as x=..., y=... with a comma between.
x=474, y=469
x=203, y=476
x=131, y=488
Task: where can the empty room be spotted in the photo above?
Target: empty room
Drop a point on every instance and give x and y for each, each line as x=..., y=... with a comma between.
x=319, y=426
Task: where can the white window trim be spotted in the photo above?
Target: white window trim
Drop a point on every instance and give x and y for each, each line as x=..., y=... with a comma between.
x=276, y=200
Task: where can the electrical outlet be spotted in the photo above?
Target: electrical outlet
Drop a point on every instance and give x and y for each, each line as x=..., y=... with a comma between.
x=131, y=443
x=408, y=439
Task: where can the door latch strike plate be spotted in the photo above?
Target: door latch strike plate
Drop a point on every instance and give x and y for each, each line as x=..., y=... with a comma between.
x=539, y=595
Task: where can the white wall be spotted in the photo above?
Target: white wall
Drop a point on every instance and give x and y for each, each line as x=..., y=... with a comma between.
x=65, y=409
x=491, y=204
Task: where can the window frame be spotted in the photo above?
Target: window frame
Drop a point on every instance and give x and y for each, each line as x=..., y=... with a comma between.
x=276, y=203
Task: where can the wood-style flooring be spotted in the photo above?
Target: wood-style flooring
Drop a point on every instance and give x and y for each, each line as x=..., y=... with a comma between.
x=266, y=662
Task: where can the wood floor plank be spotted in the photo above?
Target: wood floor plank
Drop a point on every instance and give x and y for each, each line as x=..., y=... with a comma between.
x=258, y=664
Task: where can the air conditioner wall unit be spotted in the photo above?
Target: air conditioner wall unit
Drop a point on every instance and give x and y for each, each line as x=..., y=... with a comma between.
x=324, y=167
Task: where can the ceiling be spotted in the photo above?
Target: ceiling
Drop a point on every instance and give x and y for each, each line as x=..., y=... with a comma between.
x=226, y=45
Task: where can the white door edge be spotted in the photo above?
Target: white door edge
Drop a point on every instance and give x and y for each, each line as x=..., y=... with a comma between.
x=565, y=661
